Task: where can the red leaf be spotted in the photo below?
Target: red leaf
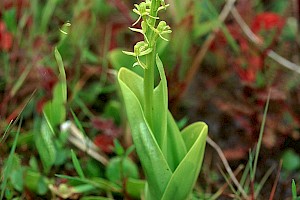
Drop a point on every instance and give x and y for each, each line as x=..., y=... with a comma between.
x=6, y=38
x=267, y=21
x=107, y=126
x=47, y=77
x=104, y=142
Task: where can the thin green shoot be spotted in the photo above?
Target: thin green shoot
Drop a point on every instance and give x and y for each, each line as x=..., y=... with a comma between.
x=6, y=131
x=99, y=183
x=257, y=150
x=77, y=122
x=12, y=123
x=77, y=165
x=62, y=74
x=83, y=107
x=20, y=81
x=8, y=168
x=47, y=13
x=251, y=164
x=83, y=188
x=245, y=174
x=224, y=29
x=263, y=180
x=294, y=190
x=220, y=191
x=237, y=196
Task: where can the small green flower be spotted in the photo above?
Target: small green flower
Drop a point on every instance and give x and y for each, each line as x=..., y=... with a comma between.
x=143, y=10
x=162, y=28
x=140, y=49
x=142, y=31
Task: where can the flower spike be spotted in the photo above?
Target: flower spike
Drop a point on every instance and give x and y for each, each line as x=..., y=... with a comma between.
x=162, y=28
x=140, y=49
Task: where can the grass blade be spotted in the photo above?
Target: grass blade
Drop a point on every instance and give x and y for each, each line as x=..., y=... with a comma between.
x=77, y=165
x=62, y=74
x=294, y=189
x=7, y=170
x=260, y=137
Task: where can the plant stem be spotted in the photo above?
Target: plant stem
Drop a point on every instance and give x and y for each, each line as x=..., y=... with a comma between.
x=149, y=86
x=150, y=63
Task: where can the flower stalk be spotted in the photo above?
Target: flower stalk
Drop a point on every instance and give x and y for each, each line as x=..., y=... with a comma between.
x=147, y=12
x=171, y=159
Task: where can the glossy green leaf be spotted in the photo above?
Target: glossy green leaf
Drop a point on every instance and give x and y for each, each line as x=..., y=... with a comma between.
x=154, y=164
x=160, y=109
x=62, y=93
x=186, y=174
x=135, y=187
x=55, y=110
x=34, y=181
x=120, y=168
x=97, y=182
x=45, y=145
x=175, y=146
x=171, y=170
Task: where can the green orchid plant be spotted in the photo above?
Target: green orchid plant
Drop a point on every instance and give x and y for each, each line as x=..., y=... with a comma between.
x=171, y=159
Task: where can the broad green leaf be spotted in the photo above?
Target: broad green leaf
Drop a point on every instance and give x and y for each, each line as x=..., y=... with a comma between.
x=34, y=181
x=290, y=160
x=160, y=109
x=17, y=173
x=154, y=164
x=164, y=124
x=45, y=145
x=175, y=145
x=185, y=151
x=54, y=110
x=120, y=168
x=135, y=187
x=186, y=174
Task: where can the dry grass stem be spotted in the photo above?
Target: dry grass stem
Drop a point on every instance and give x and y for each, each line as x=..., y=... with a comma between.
x=84, y=143
x=227, y=167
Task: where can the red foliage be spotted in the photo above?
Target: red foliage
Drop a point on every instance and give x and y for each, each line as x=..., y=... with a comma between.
x=6, y=38
x=267, y=21
x=104, y=142
x=48, y=78
x=110, y=131
x=40, y=105
x=251, y=61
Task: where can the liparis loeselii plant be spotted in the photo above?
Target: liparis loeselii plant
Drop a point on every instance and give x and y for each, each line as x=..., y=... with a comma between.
x=171, y=159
